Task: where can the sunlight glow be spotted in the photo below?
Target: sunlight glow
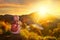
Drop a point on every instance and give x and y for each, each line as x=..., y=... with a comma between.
x=43, y=11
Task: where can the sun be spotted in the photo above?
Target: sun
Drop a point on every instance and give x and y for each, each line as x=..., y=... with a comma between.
x=42, y=11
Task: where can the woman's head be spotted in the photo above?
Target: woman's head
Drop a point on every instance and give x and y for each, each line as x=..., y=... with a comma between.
x=16, y=18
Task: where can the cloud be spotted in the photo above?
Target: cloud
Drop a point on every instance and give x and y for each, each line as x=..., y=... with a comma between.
x=16, y=6
x=24, y=6
x=12, y=9
x=19, y=1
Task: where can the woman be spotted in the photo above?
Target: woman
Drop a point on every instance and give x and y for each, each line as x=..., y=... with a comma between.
x=15, y=28
x=16, y=25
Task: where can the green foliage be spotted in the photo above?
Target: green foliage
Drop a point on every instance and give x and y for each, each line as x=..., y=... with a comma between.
x=1, y=31
x=26, y=35
x=50, y=38
x=34, y=36
x=35, y=30
x=34, y=33
x=56, y=32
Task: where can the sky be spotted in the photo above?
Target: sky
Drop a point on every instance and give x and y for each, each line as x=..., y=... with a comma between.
x=22, y=7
